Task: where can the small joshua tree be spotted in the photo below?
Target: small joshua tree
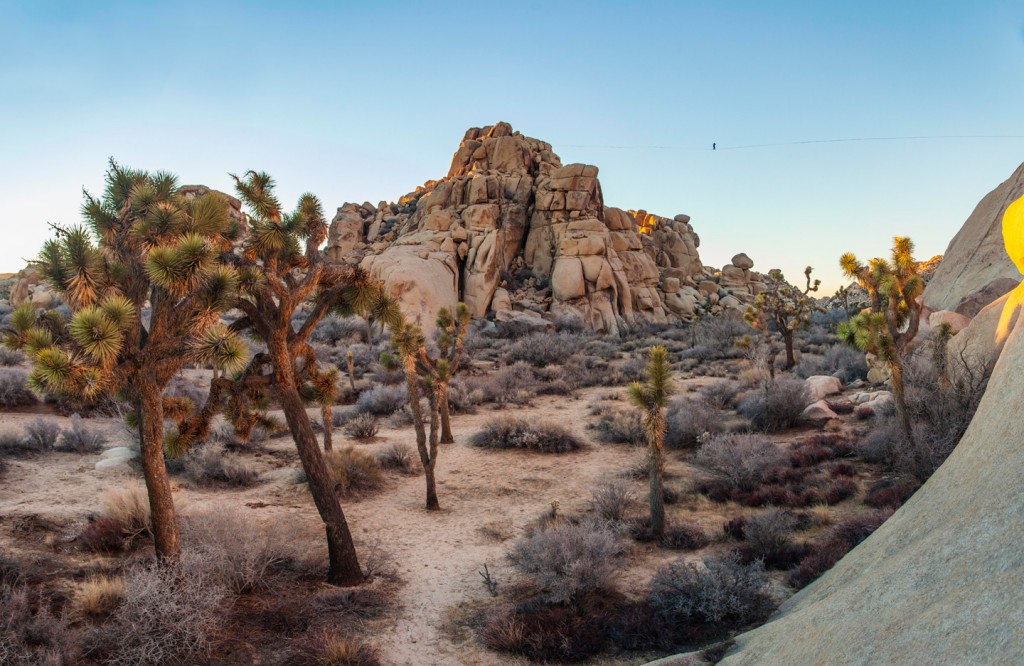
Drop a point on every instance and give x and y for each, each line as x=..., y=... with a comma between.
x=652, y=397
x=431, y=375
x=785, y=307
x=887, y=327
x=144, y=242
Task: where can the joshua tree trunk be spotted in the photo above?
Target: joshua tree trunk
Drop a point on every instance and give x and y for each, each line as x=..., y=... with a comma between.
x=412, y=382
x=787, y=338
x=325, y=411
x=435, y=399
x=350, y=360
x=161, y=503
x=446, y=427
x=896, y=374
x=344, y=564
x=656, y=472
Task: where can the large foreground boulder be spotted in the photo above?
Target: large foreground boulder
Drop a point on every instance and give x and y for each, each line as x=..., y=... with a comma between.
x=976, y=269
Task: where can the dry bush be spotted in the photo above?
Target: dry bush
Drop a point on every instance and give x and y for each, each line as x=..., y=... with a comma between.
x=610, y=499
x=741, y=461
x=570, y=561
x=330, y=647
x=776, y=407
x=684, y=536
x=364, y=603
x=167, y=615
x=398, y=457
x=511, y=384
x=42, y=433
x=333, y=329
x=14, y=390
x=239, y=552
x=10, y=357
x=363, y=426
x=129, y=506
x=890, y=493
x=463, y=398
x=721, y=591
x=79, y=438
x=354, y=472
x=98, y=596
x=382, y=400
x=211, y=465
x=542, y=349
x=841, y=539
x=841, y=361
x=687, y=420
x=103, y=535
x=510, y=433
x=720, y=394
x=620, y=426
x=768, y=534
x=31, y=634
x=14, y=443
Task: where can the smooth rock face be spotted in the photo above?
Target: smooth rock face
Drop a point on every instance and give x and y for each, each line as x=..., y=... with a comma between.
x=957, y=322
x=976, y=269
x=942, y=581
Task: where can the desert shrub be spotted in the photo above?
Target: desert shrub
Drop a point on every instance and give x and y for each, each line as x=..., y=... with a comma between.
x=769, y=533
x=238, y=551
x=720, y=394
x=686, y=421
x=776, y=407
x=890, y=493
x=31, y=634
x=684, y=536
x=129, y=506
x=542, y=349
x=716, y=338
x=569, y=561
x=734, y=527
x=840, y=361
x=354, y=472
x=382, y=400
x=332, y=329
x=102, y=535
x=463, y=398
x=98, y=596
x=42, y=433
x=839, y=490
x=511, y=433
x=398, y=457
x=363, y=426
x=842, y=469
x=721, y=591
x=14, y=443
x=742, y=461
x=879, y=444
x=620, y=426
x=168, y=614
x=841, y=539
x=80, y=438
x=211, y=465
x=14, y=390
x=10, y=357
x=610, y=499
x=511, y=384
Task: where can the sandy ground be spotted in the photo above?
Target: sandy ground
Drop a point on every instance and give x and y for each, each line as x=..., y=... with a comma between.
x=436, y=554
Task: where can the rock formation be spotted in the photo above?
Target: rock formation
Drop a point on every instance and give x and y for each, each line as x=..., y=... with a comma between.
x=514, y=233
x=976, y=269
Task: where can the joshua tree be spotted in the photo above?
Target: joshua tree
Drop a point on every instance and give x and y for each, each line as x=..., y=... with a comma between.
x=279, y=277
x=652, y=397
x=785, y=307
x=143, y=242
x=431, y=375
x=887, y=327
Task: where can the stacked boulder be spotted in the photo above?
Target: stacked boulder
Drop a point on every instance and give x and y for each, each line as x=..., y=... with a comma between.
x=514, y=233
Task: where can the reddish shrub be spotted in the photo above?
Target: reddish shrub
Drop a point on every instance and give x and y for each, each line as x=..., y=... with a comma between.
x=734, y=527
x=103, y=535
x=807, y=455
x=821, y=558
x=842, y=469
x=890, y=494
x=840, y=490
x=684, y=536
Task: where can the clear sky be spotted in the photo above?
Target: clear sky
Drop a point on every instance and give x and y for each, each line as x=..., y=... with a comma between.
x=364, y=101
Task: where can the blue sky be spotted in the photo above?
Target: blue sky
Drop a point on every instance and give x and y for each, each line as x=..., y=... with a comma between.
x=364, y=101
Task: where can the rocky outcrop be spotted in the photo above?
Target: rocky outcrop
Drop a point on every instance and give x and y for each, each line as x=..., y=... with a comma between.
x=512, y=229
x=976, y=269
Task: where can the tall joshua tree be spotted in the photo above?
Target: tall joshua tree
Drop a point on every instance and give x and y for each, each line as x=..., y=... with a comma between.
x=143, y=243
x=652, y=397
x=887, y=327
x=432, y=376
x=282, y=270
x=784, y=306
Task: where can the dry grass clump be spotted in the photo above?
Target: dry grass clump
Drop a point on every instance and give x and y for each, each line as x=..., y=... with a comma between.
x=99, y=595
x=397, y=457
x=129, y=506
x=42, y=433
x=102, y=535
x=511, y=433
x=740, y=461
x=332, y=648
x=620, y=426
x=79, y=438
x=354, y=472
x=240, y=553
x=610, y=499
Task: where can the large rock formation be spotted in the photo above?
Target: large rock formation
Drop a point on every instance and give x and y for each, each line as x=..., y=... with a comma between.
x=512, y=229
x=976, y=269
